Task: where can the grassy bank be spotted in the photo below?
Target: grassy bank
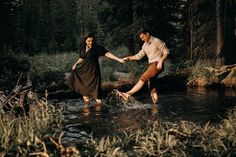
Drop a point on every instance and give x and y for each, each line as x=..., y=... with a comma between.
x=47, y=71
x=20, y=136
x=30, y=136
x=167, y=139
x=205, y=73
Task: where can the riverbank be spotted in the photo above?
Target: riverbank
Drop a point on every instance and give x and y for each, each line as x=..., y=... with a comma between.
x=33, y=134
x=28, y=136
x=167, y=139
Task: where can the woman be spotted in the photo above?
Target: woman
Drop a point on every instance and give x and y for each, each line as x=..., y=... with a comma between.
x=86, y=80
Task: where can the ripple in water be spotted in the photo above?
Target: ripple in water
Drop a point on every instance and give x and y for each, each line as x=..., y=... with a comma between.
x=116, y=115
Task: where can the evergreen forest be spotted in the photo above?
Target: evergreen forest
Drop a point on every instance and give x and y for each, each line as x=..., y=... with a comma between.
x=192, y=29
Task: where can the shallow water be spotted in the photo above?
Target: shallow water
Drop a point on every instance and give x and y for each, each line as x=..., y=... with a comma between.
x=198, y=105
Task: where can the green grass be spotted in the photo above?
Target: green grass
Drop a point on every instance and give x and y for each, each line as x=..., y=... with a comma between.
x=29, y=135
x=49, y=70
x=22, y=135
x=166, y=139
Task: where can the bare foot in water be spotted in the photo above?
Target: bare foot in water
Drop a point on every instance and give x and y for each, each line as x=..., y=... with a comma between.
x=125, y=96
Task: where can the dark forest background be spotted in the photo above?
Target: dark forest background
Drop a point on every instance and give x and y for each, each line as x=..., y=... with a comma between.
x=192, y=29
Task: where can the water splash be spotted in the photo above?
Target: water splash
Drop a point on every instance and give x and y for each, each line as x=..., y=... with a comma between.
x=119, y=103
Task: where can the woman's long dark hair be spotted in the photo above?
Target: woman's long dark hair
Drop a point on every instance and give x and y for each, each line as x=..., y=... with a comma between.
x=83, y=44
x=89, y=35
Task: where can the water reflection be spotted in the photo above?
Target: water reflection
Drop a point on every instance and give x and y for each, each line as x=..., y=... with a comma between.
x=230, y=92
x=98, y=108
x=198, y=105
x=154, y=112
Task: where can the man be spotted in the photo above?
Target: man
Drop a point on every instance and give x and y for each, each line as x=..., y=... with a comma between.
x=157, y=52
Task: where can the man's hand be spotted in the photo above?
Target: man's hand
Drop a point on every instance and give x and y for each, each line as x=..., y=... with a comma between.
x=126, y=59
x=159, y=65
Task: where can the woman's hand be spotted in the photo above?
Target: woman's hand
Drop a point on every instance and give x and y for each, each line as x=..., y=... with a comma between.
x=121, y=60
x=80, y=61
x=74, y=67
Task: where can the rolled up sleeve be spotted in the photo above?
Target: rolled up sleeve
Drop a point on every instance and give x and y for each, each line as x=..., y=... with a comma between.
x=140, y=54
x=164, y=49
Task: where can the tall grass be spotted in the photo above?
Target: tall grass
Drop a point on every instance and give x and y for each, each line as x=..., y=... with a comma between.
x=164, y=139
x=50, y=69
x=201, y=76
x=46, y=70
x=21, y=135
x=29, y=135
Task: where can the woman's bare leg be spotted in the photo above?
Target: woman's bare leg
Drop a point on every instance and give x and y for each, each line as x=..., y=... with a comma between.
x=98, y=101
x=86, y=99
x=98, y=105
x=86, y=110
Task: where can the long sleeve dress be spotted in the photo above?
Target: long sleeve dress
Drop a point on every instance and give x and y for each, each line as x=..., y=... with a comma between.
x=86, y=80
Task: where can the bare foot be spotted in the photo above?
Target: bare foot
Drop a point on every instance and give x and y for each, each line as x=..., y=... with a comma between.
x=125, y=96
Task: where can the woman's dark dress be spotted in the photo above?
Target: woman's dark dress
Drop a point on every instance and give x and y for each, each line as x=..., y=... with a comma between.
x=86, y=80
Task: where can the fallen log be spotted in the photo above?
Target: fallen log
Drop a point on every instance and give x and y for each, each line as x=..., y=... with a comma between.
x=20, y=101
x=223, y=75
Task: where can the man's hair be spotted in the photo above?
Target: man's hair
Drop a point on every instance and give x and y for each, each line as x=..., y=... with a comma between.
x=143, y=31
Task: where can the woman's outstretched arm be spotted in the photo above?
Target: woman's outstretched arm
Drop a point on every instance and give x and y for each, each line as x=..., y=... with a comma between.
x=112, y=56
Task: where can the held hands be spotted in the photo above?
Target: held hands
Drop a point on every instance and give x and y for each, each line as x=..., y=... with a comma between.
x=121, y=60
x=126, y=59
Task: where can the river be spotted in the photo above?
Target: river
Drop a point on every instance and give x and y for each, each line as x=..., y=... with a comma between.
x=198, y=105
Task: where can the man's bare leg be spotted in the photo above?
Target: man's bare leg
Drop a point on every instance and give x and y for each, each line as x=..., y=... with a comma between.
x=153, y=93
x=136, y=87
x=154, y=97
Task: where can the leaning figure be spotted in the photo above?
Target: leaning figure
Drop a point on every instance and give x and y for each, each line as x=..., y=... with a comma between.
x=157, y=52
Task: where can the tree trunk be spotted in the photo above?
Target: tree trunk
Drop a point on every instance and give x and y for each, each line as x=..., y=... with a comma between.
x=191, y=34
x=219, y=34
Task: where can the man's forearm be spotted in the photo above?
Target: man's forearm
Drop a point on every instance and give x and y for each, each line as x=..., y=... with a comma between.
x=131, y=58
x=164, y=57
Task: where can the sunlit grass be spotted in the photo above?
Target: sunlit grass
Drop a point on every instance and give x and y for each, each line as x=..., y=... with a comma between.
x=29, y=135
x=168, y=139
x=21, y=135
x=205, y=73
